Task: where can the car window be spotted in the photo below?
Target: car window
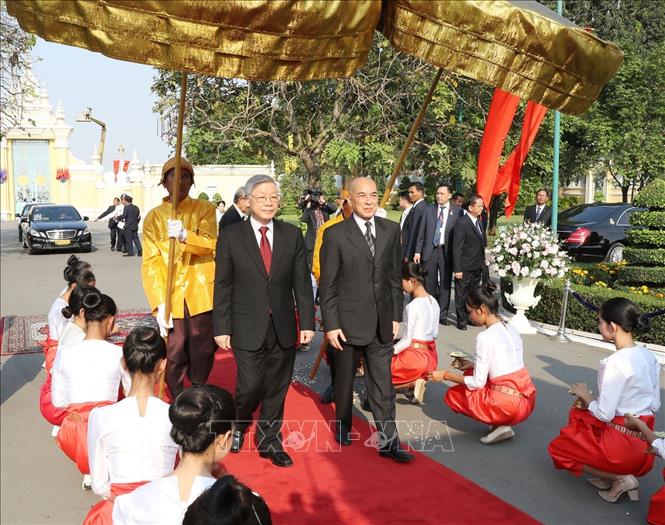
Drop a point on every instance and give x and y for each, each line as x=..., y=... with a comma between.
x=26, y=209
x=582, y=214
x=624, y=218
x=55, y=213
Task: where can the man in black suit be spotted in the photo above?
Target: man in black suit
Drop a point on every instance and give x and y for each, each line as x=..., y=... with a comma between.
x=539, y=212
x=361, y=304
x=261, y=276
x=238, y=210
x=434, y=249
x=316, y=211
x=113, y=223
x=413, y=221
x=469, y=267
x=131, y=216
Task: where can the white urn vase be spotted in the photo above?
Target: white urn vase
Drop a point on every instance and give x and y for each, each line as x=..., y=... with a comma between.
x=522, y=299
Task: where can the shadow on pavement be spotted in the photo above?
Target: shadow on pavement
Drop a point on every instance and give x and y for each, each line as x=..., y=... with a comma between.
x=17, y=371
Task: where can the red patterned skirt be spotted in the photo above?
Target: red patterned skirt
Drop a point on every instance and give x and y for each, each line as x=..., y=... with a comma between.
x=504, y=400
x=414, y=362
x=586, y=440
x=656, y=514
x=72, y=437
x=53, y=415
x=50, y=347
x=102, y=513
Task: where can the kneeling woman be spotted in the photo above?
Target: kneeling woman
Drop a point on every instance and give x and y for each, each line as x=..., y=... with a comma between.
x=202, y=417
x=497, y=389
x=415, y=352
x=129, y=442
x=596, y=440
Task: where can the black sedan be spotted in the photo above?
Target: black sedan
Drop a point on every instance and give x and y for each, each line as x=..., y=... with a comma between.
x=56, y=226
x=595, y=231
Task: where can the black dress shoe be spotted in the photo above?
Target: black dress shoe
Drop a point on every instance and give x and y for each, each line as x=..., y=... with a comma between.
x=397, y=454
x=461, y=326
x=112, y=248
x=237, y=439
x=328, y=395
x=279, y=458
x=444, y=322
x=342, y=435
x=140, y=254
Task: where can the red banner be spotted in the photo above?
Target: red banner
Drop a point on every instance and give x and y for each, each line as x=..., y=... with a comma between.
x=125, y=166
x=116, y=166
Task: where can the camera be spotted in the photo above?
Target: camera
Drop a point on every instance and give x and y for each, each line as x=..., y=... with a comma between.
x=310, y=198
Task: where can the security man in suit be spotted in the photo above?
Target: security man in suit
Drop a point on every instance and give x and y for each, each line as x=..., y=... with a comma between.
x=469, y=267
x=131, y=216
x=413, y=221
x=261, y=276
x=361, y=304
x=539, y=212
x=434, y=248
x=237, y=211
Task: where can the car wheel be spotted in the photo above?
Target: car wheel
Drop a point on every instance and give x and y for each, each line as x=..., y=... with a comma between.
x=615, y=253
x=20, y=236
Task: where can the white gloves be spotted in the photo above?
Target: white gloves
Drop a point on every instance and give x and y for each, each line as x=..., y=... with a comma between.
x=163, y=325
x=176, y=230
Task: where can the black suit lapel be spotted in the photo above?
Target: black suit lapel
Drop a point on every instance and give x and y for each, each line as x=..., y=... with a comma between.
x=354, y=235
x=248, y=240
x=474, y=227
x=277, y=245
x=381, y=238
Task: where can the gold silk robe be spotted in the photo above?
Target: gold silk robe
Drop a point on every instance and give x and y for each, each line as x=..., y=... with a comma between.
x=194, y=259
x=316, y=256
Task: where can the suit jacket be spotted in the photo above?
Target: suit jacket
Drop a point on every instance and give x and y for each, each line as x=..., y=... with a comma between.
x=231, y=216
x=411, y=228
x=112, y=223
x=132, y=216
x=309, y=219
x=425, y=239
x=468, y=246
x=545, y=216
x=245, y=295
x=359, y=293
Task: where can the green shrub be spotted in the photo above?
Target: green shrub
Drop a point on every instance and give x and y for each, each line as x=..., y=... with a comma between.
x=652, y=195
x=642, y=275
x=644, y=256
x=646, y=237
x=649, y=219
x=203, y=196
x=568, y=202
x=548, y=310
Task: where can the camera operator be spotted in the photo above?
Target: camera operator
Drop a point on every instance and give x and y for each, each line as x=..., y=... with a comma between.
x=316, y=211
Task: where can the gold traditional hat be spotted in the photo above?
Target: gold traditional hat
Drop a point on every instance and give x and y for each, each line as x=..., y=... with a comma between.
x=184, y=166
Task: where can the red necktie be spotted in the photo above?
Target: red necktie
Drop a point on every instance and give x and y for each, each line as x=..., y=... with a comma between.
x=266, y=251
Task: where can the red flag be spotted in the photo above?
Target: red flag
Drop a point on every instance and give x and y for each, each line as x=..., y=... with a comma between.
x=125, y=166
x=116, y=166
x=500, y=117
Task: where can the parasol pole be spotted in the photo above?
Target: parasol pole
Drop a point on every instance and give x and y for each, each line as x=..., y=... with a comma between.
x=174, y=208
x=409, y=139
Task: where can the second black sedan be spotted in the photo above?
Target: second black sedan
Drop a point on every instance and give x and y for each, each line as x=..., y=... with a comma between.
x=595, y=231
x=56, y=226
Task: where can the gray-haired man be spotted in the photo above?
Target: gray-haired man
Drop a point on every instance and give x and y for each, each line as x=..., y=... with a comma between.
x=238, y=210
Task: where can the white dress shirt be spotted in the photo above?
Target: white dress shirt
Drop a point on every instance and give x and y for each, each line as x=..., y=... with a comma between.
x=539, y=210
x=157, y=502
x=361, y=224
x=627, y=384
x=659, y=446
x=56, y=321
x=256, y=225
x=445, y=209
x=242, y=215
x=499, y=352
x=71, y=334
x=420, y=321
x=87, y=372
x=402, y=219
x=125, y=447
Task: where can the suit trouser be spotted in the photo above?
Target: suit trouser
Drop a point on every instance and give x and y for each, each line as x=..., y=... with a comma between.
x=113, y=232
x=469, y=281
x=190, y=351
x=377, y=357
x=120, y=247
x=263, y=378
x=438, y=281
x=131, y=240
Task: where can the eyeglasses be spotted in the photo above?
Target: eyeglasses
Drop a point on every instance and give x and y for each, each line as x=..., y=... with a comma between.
x=262, y=199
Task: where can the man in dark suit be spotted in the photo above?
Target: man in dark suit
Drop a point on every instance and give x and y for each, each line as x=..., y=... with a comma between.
x=361, y=304
x=113, y=223
x=131, y=216
x=539, y=212
x=434, y=249
x=413, y=221
x=469, y=267
x=261, y=276
x=238, y=210
x=316, y=212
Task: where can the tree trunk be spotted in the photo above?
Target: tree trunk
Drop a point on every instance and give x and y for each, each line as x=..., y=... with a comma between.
x=312, y=165
x=624, y=193
x=494, y=209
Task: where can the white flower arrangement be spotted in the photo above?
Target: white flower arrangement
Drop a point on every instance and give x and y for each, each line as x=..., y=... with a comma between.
x=528, y=250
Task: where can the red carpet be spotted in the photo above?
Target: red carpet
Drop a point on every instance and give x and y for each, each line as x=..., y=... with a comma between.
x=354, y=485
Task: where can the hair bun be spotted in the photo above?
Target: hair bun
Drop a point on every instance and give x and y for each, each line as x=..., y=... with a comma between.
x=67, y=312
x=489, y=287
x=642, y=325
x=149, y=336
x=73, y=260
x=92, y=300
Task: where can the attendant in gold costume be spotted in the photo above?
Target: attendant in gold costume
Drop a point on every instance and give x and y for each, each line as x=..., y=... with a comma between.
x=190, y=346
